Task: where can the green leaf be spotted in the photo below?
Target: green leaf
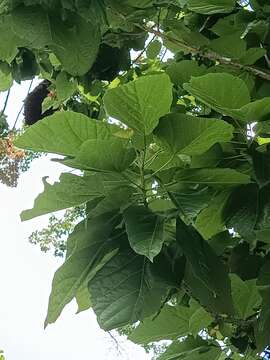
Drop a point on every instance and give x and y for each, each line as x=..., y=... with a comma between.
x=211, y=221
x=171, y=323
x=140, y=103
x=228, y=95
x=107, y=155
x=92, y=247
x=231, y=46
x=219, y=177
x=64, y=86
x=6, y=81
x=33, y=25
x=252, y=55
x=145, y=231
x=258, y=110
x=153, y=49
x=76, y=45
x=211, y=7
x=219, y=91
x=263, y=235
x=241, y=211
x=83, y=298
x=115, y=199
x=190, y=201
x=179, y=31
x=191, y=349
x=205, y=266
x=246, y=297
x=63, y=133
x=211, y=158
x=9, y=40
x=189, y=135
x=181, y=72
x=39, y=29
x=263, y=282
x=262, y=334
x=126, y=290
x=70, y=191
x=200, y=319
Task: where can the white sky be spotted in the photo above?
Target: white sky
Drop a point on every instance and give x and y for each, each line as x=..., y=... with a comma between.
x=25, y=280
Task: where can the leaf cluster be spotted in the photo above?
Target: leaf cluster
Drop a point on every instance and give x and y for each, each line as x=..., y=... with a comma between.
x=174, y=161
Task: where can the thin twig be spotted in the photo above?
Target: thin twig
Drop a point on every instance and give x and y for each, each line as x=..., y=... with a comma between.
x=143, y=51
x=5, y=104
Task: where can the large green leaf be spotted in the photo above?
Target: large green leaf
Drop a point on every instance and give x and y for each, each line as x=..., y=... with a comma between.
x=140, y=103
x=200, y=319
x=63, y=133
x=191, y=349
x=232, y=45
x=33, y=25
x=191, y=135
x=211, y=6
x=107, y=155
x=179, y=31
x=181, y=72
x=126, y=290
x=255, y=111
x=71, y=190
x=246, y=297
x=38, y=29
x=5, y=81
x=213, y=177
x=205, y=266
x=76, y=45
x=172, y=323
x=92, y=246
x=190, y=201
x=252, y=55
x=219, y=91
x=115, y=199
x=9, y=40
x=241, y=210
x=211, y=221
x=145, y=231
x=228, y=95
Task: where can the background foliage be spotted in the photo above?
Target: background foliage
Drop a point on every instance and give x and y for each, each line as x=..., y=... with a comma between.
x=163, y=109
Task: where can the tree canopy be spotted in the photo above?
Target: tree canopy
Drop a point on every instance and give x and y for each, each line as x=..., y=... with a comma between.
x=163, y=108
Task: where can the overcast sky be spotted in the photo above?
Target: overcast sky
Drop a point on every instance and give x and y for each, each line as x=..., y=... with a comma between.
x=25, y=280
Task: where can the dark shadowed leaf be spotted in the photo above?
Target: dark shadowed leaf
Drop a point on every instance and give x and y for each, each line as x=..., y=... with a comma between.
x=93, y=249
x=205, y=267
x=126, y=290
x=145, y=231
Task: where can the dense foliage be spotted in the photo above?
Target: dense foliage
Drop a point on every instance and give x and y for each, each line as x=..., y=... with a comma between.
x=163, y=109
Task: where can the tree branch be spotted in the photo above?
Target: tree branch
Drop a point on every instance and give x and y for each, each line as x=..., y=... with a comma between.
x=5, y=104
x=209, y=55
